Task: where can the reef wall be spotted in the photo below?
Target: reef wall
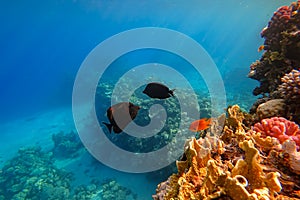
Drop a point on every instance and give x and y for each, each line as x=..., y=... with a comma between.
x=256, y=155
x=278, y=69
x=240, y=164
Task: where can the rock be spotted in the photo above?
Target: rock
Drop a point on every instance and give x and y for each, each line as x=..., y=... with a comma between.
x=271, y=108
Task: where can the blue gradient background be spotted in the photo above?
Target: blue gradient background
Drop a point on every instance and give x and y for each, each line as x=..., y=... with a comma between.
x=44, y=42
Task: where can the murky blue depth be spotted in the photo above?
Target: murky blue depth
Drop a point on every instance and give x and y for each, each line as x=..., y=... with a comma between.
x=43, y=44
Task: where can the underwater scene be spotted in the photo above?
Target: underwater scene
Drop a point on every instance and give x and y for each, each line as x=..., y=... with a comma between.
x=141, y=100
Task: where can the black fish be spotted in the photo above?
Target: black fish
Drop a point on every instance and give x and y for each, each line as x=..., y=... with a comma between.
x=158, y=90
x=120, y=111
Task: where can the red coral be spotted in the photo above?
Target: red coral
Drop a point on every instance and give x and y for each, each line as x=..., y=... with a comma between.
x=280, y=128
x=279, y=20
x=285, y=20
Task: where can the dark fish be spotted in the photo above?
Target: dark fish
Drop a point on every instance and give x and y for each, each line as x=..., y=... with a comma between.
x=158, y=90
x=124, y=112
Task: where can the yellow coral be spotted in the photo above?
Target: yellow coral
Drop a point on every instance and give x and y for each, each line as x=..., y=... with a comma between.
x=265, y=143
x=249, y=167
x=235, y=117
x=272, y=182
x=253, y=171
x=234, y=127
x=215, y=170
x=204, y=177
x=199, y=174
x=237, y=190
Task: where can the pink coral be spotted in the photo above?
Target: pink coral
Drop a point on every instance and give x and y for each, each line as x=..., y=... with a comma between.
x=280, y=128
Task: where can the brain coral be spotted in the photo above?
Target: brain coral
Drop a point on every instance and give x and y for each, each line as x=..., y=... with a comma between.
x=280, y=128
x=271, y=108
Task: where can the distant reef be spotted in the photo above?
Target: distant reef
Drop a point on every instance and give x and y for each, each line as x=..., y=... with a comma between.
x=32, y=174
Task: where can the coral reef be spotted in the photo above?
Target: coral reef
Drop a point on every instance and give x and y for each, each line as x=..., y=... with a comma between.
x=283, y=159
x=278, y=69
x=280, y=128
x=107, y=190
x=205, y=176
x=111, y=189
x=32, y=175
x=275, y=62
x=240, y=164
x=66, y=145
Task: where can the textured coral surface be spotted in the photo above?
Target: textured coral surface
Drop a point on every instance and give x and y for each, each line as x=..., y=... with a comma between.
x=240, y=164
x=32, y=175
x=271, y=108
x=278, y=69
x=262, y=162
x=290, y=87
x=280, y=128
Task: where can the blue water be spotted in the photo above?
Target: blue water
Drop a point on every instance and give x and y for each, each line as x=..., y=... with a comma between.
x=43, y=44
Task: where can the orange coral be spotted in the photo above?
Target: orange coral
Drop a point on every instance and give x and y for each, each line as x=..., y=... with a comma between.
x=251, y=169
x=246, y=166
x=203, y=176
